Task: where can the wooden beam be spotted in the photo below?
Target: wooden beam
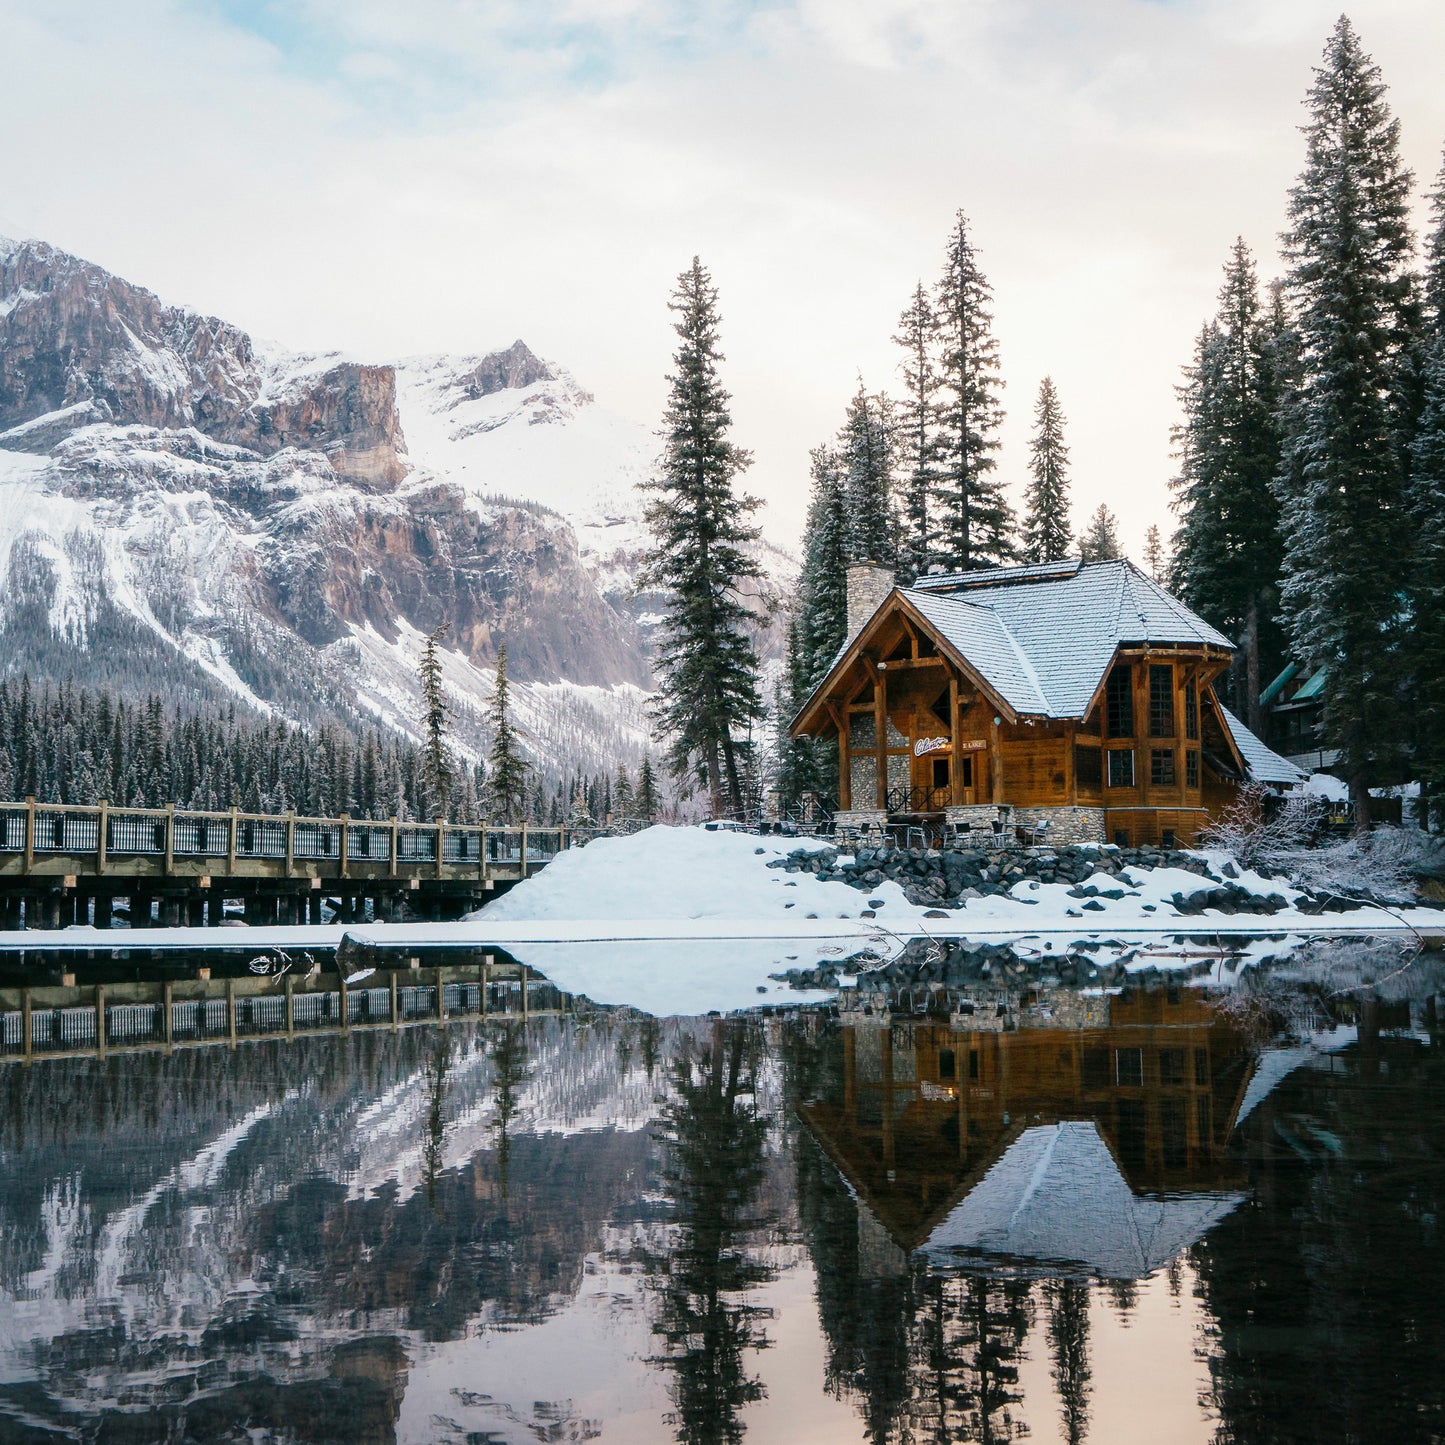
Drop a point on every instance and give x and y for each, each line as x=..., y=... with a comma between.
x=955, y=736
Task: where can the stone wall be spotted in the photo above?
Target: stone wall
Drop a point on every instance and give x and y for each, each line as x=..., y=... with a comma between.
x=1066, y=825
x=874, y=817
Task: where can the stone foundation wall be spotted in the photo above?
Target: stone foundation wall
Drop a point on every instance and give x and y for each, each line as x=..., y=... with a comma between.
x=874, y=817
x=1067, y=826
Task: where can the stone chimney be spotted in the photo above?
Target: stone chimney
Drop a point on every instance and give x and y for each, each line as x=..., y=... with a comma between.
x=868, y=585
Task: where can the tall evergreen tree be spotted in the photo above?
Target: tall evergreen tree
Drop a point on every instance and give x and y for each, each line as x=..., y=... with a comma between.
x=1229, y=548
x=1048, y=534
x=1100, y=542
x=436, y=756
x=506, y=767
x=1349, y=248
x=706, y=665
x=1427, y=514
x=917, y=433
x=971, y=514
x=865, y=452
x=1156, y=555
x=646, y=802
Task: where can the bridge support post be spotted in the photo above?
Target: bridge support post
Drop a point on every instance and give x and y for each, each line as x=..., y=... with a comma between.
x=441, y=998
x=103, y=904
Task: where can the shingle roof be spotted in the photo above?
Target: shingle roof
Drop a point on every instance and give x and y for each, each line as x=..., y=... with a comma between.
x=1042, y=636
x=1264, y=764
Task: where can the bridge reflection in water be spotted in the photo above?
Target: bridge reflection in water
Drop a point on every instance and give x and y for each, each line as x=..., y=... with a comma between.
x=102, y=1019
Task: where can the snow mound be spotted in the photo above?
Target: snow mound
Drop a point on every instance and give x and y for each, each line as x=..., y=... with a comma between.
x=680, y=873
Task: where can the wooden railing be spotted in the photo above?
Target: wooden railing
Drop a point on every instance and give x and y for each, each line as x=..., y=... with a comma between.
x=192, y=840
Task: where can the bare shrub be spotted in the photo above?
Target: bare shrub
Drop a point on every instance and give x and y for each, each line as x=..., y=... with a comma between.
x=1283, y=836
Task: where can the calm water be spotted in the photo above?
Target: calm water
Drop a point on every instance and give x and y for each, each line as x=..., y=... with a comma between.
x=1162, y=1216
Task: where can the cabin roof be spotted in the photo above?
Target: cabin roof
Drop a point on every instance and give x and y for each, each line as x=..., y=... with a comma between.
x=1042, y=636
x=1264, y=764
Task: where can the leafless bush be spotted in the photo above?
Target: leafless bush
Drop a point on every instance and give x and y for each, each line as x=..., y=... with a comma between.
x=1284, y=836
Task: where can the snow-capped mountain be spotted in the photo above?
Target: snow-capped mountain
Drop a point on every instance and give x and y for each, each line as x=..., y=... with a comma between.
x=199, y=514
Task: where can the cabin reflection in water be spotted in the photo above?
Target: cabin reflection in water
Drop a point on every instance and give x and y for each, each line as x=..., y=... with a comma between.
x=1092, y=1134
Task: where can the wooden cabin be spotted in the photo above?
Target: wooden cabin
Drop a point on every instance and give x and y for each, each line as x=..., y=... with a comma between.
x=1080, y=696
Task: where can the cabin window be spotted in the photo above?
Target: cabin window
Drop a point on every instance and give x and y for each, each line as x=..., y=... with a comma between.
x=947, y=1064
x=1201, y=1067
x=1174, y=1133
x=1088, y=768
x=1171, y=1066
x=1121, y=767
x=1167, y=838
x=1161, y=765
x=1129, y=1067
x=1119, y=702
x=1191, y=709
x=940, y=772
x=1191, y=768
x=1121, y=837
x=1161, y=700
x=965, y=772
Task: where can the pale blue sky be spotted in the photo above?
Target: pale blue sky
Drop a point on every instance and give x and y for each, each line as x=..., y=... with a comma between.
x=400, y=176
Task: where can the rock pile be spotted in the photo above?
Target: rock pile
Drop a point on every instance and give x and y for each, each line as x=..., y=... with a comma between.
x=948, y=877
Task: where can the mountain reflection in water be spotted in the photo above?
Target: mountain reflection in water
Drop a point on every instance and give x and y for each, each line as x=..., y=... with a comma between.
x=1156, y=1214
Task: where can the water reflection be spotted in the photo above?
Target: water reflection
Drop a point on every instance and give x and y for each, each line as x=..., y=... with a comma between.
x=1140, y=1215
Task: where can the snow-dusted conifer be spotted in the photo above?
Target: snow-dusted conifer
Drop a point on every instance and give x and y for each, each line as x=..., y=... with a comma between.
x=1427, y=512
x=705, y=662
x=506, y=767
x=971, y=515
x=645, y=801
x=1100, y=541
x=865, y=453
x=1229, y=549
x=1048, y=534
x=437, y=765
x=1349, y=248
x=1156, y=555
x=917, y=433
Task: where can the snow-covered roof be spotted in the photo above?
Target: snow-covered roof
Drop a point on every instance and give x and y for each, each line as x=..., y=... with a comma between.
x=1043, y=635
x=1264, y=764
x=1057, y=1194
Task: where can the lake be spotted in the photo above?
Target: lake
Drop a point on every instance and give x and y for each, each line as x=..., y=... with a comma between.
x=1158, y=1212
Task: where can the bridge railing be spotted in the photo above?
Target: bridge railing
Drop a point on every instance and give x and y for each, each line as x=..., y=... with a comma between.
x=40, y=829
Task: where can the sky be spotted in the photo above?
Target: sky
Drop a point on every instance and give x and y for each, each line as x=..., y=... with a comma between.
x=393, y=177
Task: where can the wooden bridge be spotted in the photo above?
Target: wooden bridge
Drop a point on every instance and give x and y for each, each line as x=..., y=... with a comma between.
x=64, y=864
x=64, y=1021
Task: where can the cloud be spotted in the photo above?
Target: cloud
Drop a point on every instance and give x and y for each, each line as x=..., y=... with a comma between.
x=442, y=174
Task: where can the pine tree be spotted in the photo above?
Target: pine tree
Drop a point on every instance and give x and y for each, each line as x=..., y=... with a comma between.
x=1156, y=557
x=1427, y=515
x=437, y=758
x=971, y=514
x=823, y=583
x=1048, y=534
x=506, y=768
x=645, y=801
x=1229, y=547
x=1349, y=248
x=865, y=453
x=624, y=804
x=706, y=665
x=1100, y=542
x=917, y=433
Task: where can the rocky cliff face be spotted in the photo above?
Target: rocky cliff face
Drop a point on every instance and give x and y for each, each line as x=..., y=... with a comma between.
x=259, y=521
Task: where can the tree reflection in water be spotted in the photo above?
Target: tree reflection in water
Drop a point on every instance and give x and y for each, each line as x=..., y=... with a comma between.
x=437, y=1069
x=1068, y=1303
x=507, y=1042
x=713, y=1135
